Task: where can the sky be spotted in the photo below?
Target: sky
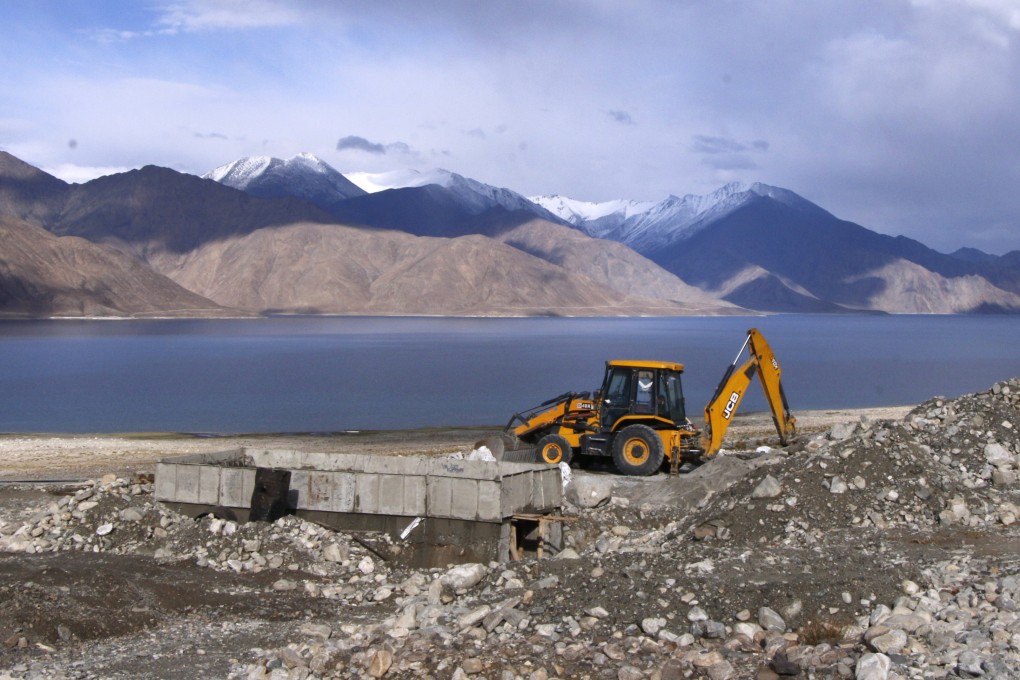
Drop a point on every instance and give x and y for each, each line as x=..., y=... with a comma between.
x=900, y=115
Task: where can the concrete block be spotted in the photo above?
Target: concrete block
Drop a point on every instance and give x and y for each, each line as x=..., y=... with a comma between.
x=166, y=482
x=298, y=486
x=342, y=462
x=395, y=465
x=464, y=504
x=316, y=492
x=187, y=483
x=551, y=484
x=261, y=457
x=391, y=494
x=232, y=488
x=439, y=496
x=209, y=485
x=555, y=497
x=470, y=469
x=336, y=462
x=249, y=487
x=414, y=495
x=489, y=501
x=344, y=491
x=366, y=490
x=516, y=493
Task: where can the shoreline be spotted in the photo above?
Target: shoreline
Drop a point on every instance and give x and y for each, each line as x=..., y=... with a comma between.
x=36, y=456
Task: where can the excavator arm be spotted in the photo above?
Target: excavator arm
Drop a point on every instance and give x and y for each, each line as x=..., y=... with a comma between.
x=724, y=403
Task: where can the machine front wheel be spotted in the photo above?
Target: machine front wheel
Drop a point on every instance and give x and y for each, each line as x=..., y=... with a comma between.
x=638, y=451
x=553, y=449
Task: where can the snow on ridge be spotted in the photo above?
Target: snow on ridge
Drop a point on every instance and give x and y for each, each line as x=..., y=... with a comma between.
x=373, y=182
x=474, y=196
x=309, y=160
x=577, y=212
x=647, y=225
x=238, y=174
x=644, y=225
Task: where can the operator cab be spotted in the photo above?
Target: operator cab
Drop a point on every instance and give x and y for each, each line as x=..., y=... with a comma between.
x=643, y=388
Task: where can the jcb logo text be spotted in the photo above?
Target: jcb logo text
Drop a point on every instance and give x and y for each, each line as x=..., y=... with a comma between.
x=730, y=405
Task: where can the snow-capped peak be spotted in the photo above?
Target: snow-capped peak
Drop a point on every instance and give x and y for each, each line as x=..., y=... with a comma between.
x=304, y=175
x=647, y=225
x=242, y=172
x=239, y=173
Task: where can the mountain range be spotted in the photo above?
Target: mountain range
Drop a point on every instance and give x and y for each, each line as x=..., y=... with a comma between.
x=265, y=235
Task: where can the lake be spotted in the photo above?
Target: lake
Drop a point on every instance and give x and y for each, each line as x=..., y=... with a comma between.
x=353, y=373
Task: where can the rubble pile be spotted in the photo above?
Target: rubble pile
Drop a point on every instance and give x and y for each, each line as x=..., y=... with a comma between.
x=945, y=463
x=876, y=550
x=119, y=516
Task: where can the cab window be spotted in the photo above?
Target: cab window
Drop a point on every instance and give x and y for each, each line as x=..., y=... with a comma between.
x=617, y=395
x=644, y=397
x=671, y=397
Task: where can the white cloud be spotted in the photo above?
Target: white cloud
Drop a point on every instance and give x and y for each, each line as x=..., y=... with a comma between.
x=209, y=15
x=77, y=174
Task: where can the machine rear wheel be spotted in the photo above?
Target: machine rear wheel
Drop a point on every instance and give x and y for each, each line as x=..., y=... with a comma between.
x=637, y=451
x=553, y=449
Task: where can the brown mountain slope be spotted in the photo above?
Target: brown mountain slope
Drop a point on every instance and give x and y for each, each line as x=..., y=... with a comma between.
x=28, y=193
x=347, y=270
x=156, y=208
x=46, y=275
x=904, y=287
x=613, y=265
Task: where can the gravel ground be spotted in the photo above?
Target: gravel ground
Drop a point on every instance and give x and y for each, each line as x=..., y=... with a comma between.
x=878, y=545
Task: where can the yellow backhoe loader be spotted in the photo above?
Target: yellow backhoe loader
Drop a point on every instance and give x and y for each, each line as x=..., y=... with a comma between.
x=638, y=416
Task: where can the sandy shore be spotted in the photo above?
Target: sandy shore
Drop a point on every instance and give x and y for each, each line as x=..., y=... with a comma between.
x=38, y=457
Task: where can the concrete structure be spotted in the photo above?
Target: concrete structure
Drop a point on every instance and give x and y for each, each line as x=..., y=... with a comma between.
x=470, y=509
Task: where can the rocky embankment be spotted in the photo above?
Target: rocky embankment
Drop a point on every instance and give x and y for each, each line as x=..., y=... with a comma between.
x=878, y=549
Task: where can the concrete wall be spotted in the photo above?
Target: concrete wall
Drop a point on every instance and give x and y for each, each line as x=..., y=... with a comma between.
x=379, y=485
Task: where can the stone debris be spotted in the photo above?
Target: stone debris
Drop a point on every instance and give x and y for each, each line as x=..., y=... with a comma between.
x=848, y=555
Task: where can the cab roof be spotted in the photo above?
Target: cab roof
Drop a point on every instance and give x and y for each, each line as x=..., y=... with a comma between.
x=667, y=365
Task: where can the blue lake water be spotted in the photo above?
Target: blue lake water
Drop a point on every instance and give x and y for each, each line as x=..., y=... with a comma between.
x=332, y=374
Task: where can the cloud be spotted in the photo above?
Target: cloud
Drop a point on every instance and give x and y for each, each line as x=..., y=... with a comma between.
x=715, y=145
x=727, y=154
x=109, y=36
x=708, y=144
x=77, y=174
x=621, y=117
x=210, y=135
x=210, y=15
x=193, y=16
x=355, y=143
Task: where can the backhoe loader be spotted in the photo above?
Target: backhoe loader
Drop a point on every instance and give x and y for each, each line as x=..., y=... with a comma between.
x=638, y=417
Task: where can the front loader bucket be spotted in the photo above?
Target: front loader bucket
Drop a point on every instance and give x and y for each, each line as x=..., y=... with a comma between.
x=525, y=454
x=509, y=449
